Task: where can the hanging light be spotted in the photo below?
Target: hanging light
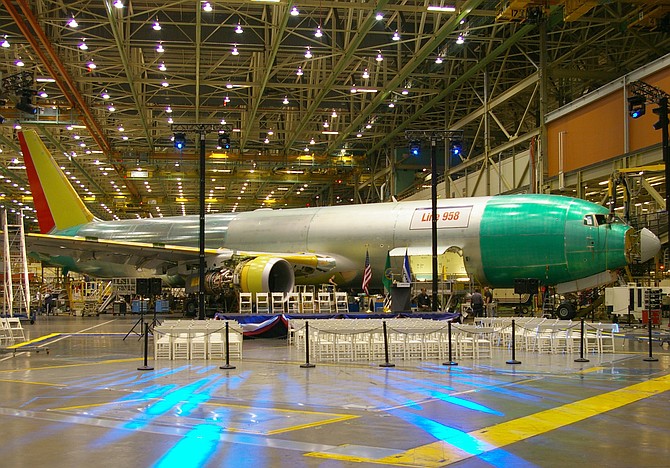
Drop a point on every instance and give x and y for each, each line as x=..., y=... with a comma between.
x=295, y=11
x=266, y=141
x=121, y=129
x=118, y=4
x=43, y=94
x=404, y=92
x=165, y=84
x=285, y=101
x=299, y=72
x=5, y=43
x=366, y=75
x=308, y=54
x=460, y=39
x=438, y=60
x=379, y=16
x=238, y=28
x=19, y=62
x=83, y=45
x=111, y=108
x=162, y=66
x=325, y=124
x=235, y=51
x=391, y=104
x=229, y=85
x=226, y=100
x=157, y=26
x=318, y=32
x=73, y=23
x=312, y=142
x=334, y=114
x=91, y=65
x=160, y=49
x=168, y=109
x=396, y=36
x=380, y=57
x=207, y=7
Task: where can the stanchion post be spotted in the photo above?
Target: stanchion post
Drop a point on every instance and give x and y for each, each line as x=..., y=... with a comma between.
x=227, y=365
x=146, y=348
x=650, y=358
x=307, y=364
x=386, y=363
x=513, y=360
x=451, y=361
x=581, y=357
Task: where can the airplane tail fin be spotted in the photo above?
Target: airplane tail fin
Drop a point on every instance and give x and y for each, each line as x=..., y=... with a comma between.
x=57, y=203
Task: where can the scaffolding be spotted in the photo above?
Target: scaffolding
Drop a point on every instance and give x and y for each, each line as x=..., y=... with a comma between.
x=16, y=285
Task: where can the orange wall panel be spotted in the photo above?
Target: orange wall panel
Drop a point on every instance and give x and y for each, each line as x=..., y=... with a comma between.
x=593, y=133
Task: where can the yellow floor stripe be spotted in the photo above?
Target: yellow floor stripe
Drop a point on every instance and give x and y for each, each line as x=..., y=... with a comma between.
x=490, y=438
x=33, y=383
x=35, y=340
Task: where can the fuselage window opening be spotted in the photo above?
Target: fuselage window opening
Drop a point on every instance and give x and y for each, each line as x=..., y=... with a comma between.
x=588, y=220
x=601, y=219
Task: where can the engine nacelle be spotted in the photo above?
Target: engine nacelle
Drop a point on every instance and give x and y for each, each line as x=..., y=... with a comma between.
x=265, y=274
x=260, y=274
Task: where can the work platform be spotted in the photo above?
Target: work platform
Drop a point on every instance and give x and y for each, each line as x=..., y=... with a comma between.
x=86, y=404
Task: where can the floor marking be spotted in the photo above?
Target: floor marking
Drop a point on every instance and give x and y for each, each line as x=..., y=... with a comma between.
x=33, y=383
x=82, y=364
x=34, y=340
x=483, y=440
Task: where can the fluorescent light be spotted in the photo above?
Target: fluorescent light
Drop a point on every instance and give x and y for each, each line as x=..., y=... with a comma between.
x=446, y=8
x=330, y=132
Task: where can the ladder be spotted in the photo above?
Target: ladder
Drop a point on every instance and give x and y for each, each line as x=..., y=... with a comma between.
x=16, y=286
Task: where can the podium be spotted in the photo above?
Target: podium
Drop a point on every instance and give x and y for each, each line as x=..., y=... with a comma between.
x=401, y=296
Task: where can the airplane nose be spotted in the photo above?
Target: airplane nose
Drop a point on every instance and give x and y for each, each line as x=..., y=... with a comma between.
x=649, y=244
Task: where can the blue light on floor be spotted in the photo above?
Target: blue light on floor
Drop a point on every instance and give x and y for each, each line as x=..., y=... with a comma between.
x=465, y=403
x=194, y=449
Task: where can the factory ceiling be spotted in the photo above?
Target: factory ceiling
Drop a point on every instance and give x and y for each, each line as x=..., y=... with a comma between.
x=316, y=97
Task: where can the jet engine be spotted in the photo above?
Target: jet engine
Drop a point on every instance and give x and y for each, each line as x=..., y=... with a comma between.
x=259, y=274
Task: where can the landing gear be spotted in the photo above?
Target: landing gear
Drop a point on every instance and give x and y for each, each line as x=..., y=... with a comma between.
x=566, y=311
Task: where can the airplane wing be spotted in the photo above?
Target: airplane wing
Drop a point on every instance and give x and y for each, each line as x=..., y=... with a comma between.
x=160, y=257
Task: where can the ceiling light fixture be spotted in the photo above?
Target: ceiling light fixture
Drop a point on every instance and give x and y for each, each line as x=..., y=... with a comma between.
x=366, y=75
x=162, y=66
x=295, y=11
x=235, y=51
x=165, y=84
x=380, y=57
x=156, y=26
x=168, y=109
x=444, y=9
x=5, y=43
x=285, y=101
x=396, y=36
x=379, y=16
x=19, y=62
x=460, y=39
x=73, y=23
x=308, y=54
x=438, y=60
x=118, y=4
x=318, y=32
x=238, y=28
x=160, y=49
x=111, y=108
x=91, y=65
x=334, y=114
x=299, y=72
x=83, y=45
x=207, y=7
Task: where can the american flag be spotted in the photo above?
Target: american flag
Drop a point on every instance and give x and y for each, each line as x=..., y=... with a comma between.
x=367, y=272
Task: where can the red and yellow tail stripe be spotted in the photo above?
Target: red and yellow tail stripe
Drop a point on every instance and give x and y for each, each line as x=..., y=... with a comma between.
x=57, y=203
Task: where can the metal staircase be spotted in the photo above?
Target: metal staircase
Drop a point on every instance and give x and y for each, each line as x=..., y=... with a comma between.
x=16, y=285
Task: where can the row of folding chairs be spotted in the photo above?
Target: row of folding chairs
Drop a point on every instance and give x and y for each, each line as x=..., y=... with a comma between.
x=293, y=303
x=11, y=331
x=198, y=339
x=407, y=339
x=553, y=336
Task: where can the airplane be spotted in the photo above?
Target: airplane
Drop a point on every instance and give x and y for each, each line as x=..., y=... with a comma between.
x=560, y=241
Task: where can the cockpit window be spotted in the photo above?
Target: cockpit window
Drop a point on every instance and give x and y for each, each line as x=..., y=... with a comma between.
x=601, y=219
x=597, y=220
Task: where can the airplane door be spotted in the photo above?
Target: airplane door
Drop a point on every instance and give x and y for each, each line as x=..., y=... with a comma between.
x=592, y=238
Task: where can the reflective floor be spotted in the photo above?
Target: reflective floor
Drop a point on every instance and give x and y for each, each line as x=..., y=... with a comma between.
x=85, y=403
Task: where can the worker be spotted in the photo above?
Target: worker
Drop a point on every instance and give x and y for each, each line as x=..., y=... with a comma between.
x=477, y=302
